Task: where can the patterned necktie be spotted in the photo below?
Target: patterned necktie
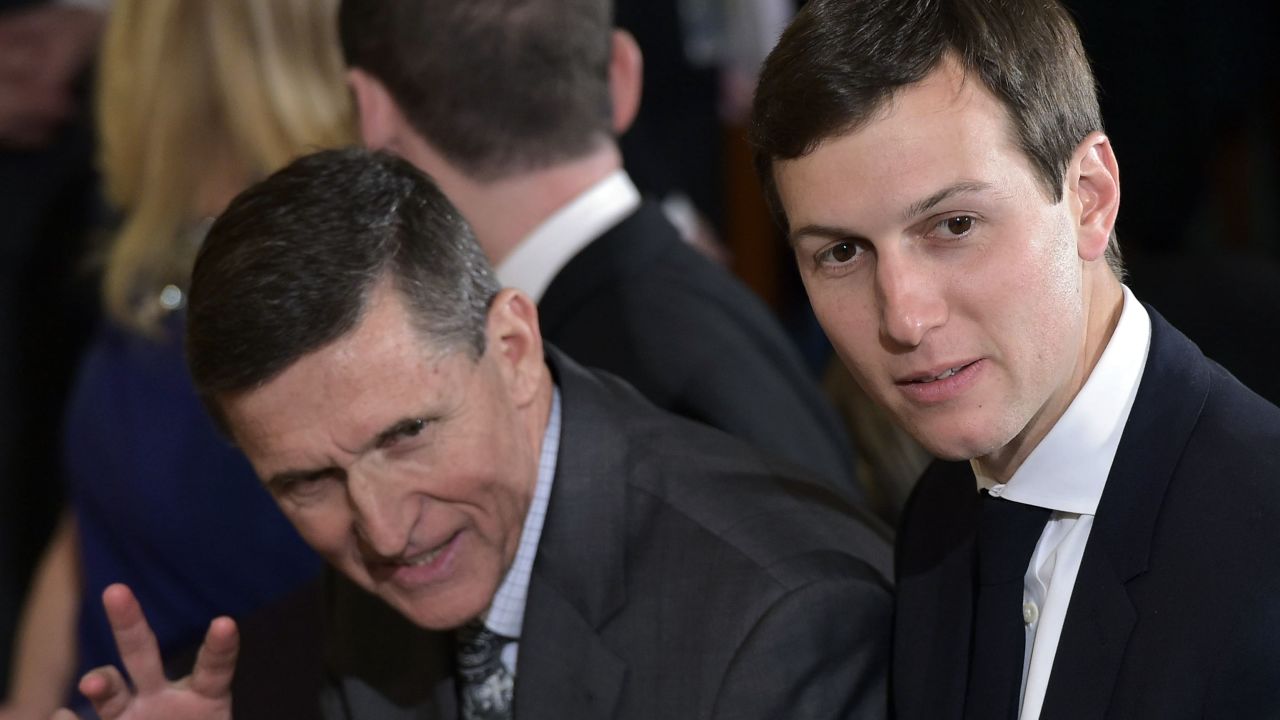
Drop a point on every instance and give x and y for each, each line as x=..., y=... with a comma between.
x=1007, y=536
x=484, y=684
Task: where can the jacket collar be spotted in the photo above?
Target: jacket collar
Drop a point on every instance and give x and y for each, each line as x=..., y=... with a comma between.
x=578, y=580
x=1101, y=614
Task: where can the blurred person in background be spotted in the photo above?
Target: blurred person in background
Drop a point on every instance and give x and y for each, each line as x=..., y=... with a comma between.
x=515, y=109
x=197, y=99
x=48, y=201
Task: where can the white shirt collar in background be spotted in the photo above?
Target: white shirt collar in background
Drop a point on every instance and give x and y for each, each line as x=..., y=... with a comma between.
x=534, y=263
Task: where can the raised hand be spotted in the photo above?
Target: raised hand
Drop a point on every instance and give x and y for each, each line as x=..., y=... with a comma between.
x=205, y=694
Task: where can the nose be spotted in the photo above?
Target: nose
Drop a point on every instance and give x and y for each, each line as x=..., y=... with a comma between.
x=911, y=300
x=383, y=519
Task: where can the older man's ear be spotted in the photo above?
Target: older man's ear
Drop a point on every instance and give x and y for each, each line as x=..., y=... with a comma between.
x=512, y=334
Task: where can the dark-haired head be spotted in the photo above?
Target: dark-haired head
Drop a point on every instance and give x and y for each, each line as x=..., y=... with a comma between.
x=841, y=62
x=498, y=87
x=290, y=266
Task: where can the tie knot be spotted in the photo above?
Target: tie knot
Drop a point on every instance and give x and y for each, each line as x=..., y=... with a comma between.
x=1007, y=536
x=485, y=687
x=478, y=646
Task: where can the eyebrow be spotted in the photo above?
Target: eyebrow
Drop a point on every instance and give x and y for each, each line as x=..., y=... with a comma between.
x=921, y=207
x=914, y=210
x=288, y=476
x=828, y=232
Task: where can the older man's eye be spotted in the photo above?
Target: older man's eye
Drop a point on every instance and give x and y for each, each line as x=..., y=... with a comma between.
x=413, y=427
x=406, y=429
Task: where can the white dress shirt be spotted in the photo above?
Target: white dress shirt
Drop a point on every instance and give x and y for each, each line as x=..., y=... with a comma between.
x=505, y=615
x=544, y=252
x=1066, y=473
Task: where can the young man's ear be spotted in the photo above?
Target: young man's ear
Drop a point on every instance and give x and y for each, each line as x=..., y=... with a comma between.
x=626, y=79
x=514, y=338
x=1093, y=185
x=380, y=118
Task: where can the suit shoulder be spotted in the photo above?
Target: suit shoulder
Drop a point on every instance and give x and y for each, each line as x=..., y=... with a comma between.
x=728, y=500
x=1235, y=445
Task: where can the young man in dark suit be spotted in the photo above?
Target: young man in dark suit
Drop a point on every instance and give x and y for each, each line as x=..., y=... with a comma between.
x=513, y=108
x=1104, y=541
x=549, y=544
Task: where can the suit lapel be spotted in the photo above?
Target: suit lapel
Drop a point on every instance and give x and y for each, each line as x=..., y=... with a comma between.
x=934, y=617
x=565, y=670
x=1101, y=615
x=578, y=583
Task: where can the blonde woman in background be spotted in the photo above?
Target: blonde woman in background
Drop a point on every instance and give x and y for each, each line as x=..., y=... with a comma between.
x=197, y=98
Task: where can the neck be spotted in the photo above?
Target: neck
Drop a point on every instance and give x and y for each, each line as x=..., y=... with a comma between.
x=503, y=212
x=1103, y=304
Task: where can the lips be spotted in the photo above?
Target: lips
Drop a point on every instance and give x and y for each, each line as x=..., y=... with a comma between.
x=940, y=384
x=427, y=557
x=930, y=377
x=419, y=568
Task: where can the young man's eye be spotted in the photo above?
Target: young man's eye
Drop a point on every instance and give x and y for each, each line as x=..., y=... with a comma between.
x=838, y=254
x=956, y=226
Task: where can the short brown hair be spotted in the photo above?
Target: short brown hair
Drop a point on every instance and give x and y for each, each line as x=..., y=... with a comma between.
x=840, y=61
x=497, y=86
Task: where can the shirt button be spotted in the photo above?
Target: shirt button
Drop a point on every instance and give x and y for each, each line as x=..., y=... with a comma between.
x=1030, y=613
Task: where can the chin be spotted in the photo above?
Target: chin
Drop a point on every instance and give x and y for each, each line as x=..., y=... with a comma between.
x=433, y=616
x=445, y=610
x=951, y=440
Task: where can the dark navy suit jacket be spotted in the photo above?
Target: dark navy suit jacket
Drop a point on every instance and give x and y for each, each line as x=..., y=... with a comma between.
x=1176, y=609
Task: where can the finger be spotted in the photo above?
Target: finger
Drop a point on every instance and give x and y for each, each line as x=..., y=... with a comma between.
x=134, y=639
x=216, y=663
x=107, y=690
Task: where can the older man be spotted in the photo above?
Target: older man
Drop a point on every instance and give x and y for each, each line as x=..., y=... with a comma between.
x=551, y=543
x=951, y=198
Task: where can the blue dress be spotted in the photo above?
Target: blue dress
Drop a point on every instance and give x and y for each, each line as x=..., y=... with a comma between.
x=163, y=502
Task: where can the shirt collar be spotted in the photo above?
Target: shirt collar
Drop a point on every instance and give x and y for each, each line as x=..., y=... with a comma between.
x=1068, y=470
x=551, y=245
x=505, y=615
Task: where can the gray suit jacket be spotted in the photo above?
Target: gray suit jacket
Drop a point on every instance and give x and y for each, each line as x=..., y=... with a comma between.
x=679, y=575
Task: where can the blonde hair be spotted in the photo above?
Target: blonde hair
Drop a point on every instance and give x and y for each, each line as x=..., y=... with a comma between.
x=197, y=93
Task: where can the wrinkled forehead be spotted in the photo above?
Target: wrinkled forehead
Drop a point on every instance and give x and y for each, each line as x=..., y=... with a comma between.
x=348, y=391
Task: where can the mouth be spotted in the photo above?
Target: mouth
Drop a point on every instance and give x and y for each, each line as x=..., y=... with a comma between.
x=926, y=379
x=937, y=386
x=419, y=568
x=428, y=557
